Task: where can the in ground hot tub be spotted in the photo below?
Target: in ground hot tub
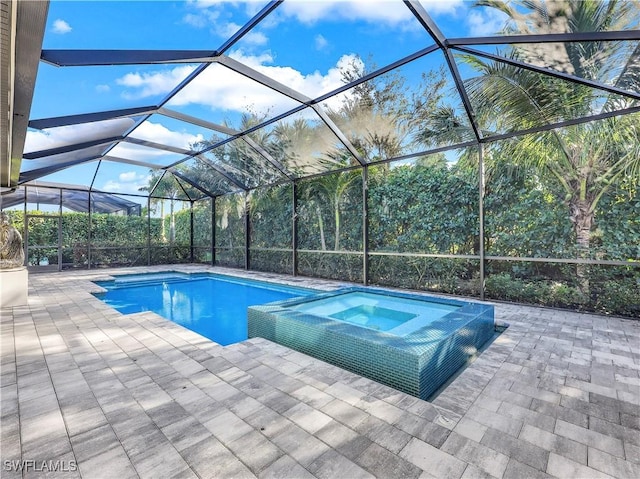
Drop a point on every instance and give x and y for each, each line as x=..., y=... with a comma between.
x=411, y=342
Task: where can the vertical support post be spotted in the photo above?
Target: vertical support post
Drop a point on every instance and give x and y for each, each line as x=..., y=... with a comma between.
x=89, y=231
x=59, y=243
x=213, y=231
x=191, y=236
x=60, y=232
x=247, y=233
x=481, y=216
x=294, y=228
x=365, y=225
x=25, y=227
x=148, y=230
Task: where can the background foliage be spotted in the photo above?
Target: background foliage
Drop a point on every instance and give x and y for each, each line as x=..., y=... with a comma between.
x=425, y=207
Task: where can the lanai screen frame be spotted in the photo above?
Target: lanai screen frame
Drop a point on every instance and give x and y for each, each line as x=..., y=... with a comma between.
x=448, y=46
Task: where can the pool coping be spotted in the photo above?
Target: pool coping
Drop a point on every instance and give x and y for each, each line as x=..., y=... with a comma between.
x=192, y=275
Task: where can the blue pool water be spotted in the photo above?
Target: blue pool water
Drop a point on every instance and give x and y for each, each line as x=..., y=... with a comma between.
x=381, y=312
x=374, y=317
x=214, y=306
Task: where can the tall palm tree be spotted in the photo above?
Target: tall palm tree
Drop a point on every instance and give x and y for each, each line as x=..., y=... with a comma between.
x=330, y=191
x=154, y=177
x=305, y=146
x=167, y=188
x=586, y=160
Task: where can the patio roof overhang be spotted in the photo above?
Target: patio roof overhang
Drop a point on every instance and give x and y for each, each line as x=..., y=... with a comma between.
x=23, y=31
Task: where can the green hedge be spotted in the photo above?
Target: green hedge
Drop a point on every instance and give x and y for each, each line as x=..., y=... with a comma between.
x=426, y=207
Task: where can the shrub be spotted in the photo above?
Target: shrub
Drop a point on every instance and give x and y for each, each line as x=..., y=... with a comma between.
x=621, y=296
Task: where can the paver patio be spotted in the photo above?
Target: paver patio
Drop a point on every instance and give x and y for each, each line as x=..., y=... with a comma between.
x=98, y=394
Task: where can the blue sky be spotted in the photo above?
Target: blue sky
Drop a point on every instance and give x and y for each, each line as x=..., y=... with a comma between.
x=303, y=45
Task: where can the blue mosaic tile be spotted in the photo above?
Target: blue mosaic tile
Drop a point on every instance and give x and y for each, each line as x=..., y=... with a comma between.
x=418, y=363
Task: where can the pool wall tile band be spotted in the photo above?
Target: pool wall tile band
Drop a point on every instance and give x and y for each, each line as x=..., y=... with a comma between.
x=417, y=364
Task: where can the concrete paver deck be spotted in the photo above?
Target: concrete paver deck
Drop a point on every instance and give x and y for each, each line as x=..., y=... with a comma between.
x=89, y=392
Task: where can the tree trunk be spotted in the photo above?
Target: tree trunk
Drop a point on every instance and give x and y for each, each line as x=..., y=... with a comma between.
x=322, y=241
x=582, y=219
x=163, y=235
x=336, y=210
x=172, y=230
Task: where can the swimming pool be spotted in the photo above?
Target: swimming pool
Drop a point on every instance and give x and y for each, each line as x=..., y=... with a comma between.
x=214, y=306
x=413, y=343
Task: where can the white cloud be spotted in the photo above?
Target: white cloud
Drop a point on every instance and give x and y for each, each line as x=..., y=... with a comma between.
x=103, y=88
x=155, y=83
x=210, y=17
x=227, y=30
x=373, y=11
x=221, y=89
x=131, y=151
x=198, y=21
x=207, y=3
x=251, y=7
x=156, y=133
x=255, y=38
x=308, y=12
x=439, y=7
x=484, y=22
x=127, y=182
x=161, y=134
x=38, y=140
x=61, y=27
x=202, y=17
x=312, y=85
x=321, y=42
x=377, y=12
x=128, y=177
